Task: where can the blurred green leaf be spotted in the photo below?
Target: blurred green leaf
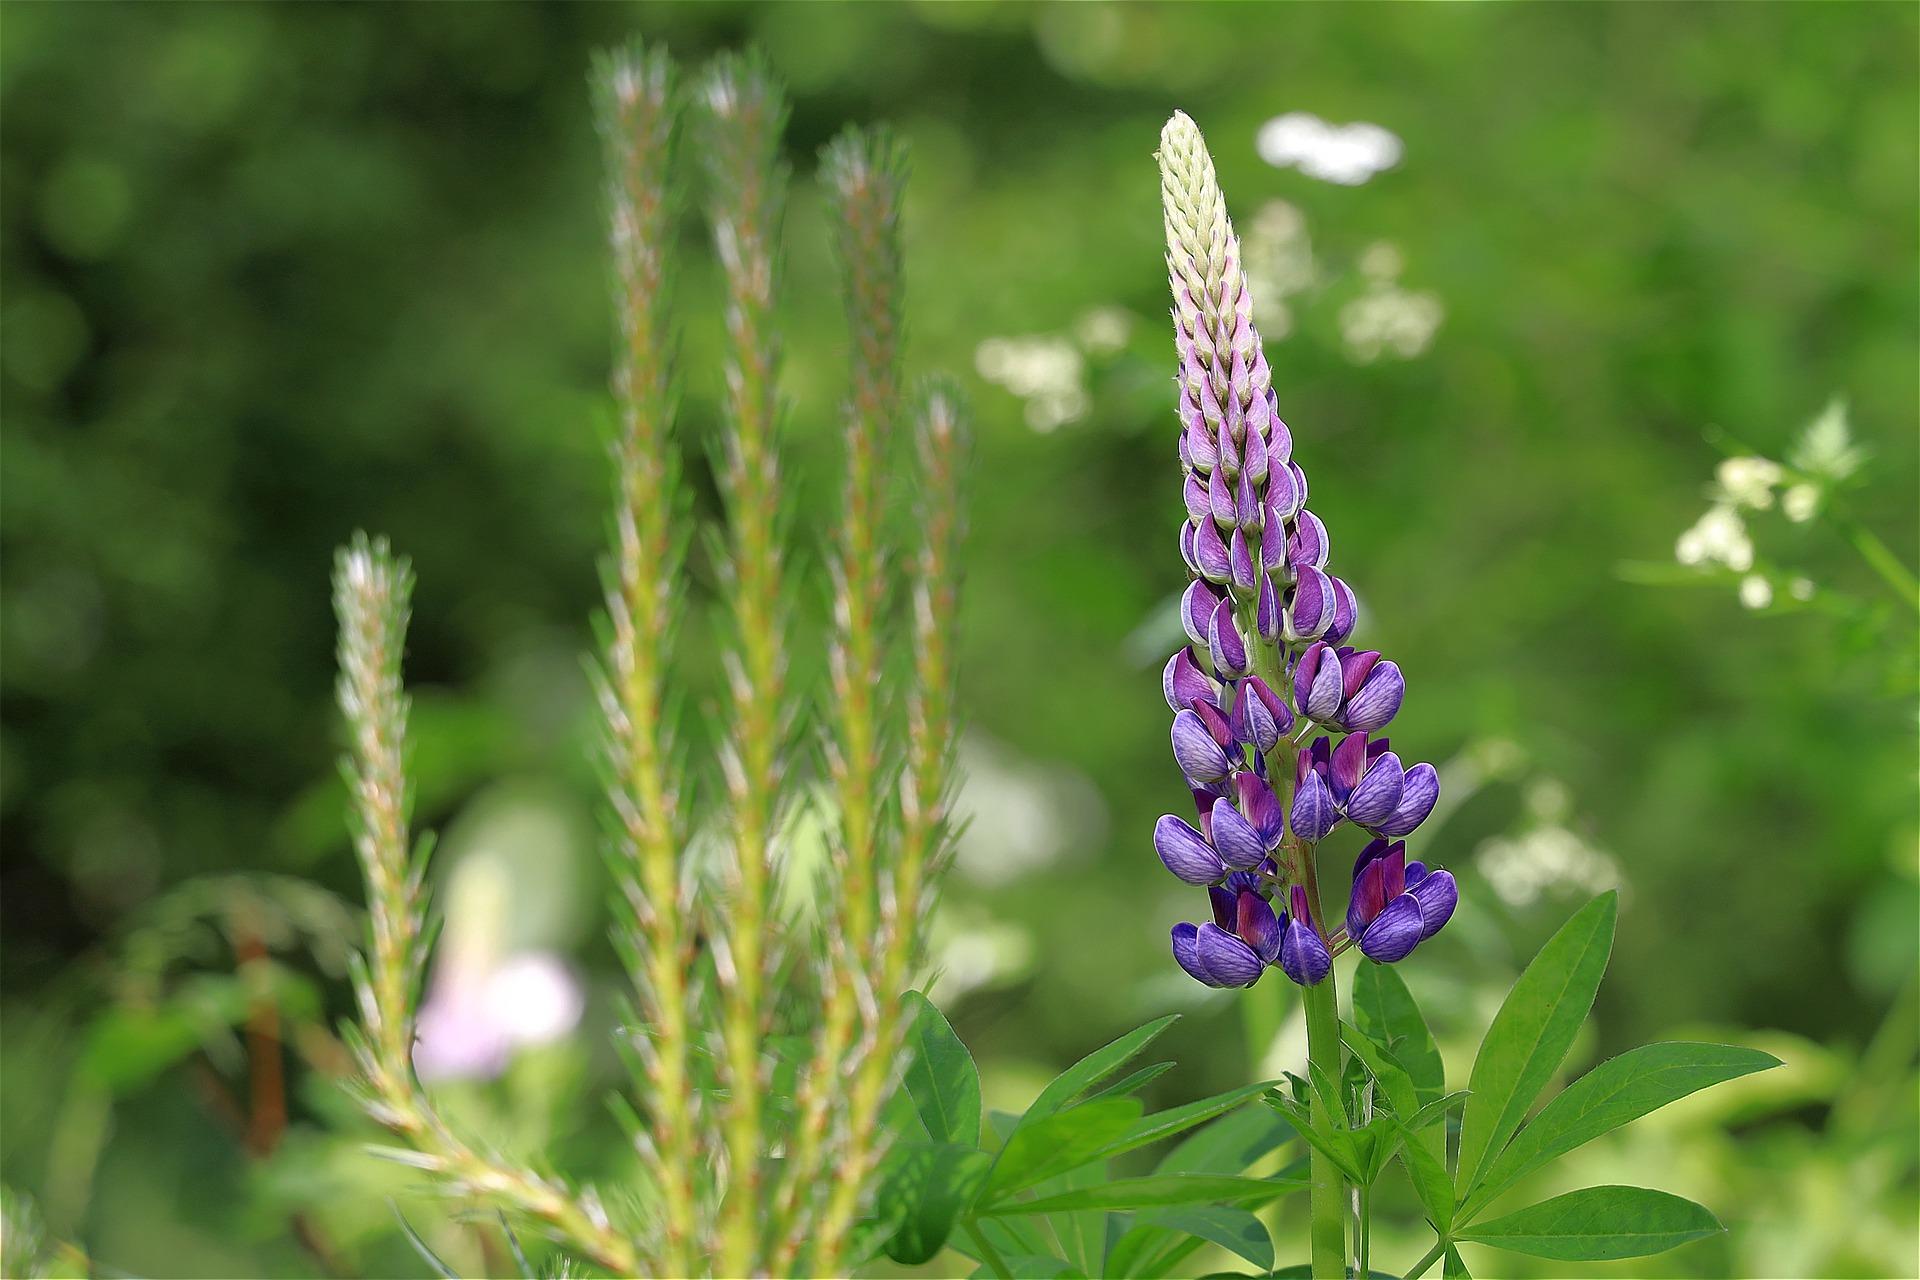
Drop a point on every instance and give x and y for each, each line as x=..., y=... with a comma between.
x=941, y=1077
x=925, y=1189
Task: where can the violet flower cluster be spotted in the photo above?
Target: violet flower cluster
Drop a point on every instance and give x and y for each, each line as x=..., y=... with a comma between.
x=1275, y=715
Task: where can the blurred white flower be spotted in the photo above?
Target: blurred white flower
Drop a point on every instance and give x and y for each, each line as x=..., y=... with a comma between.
x=1755, y=591
x=1801, y=589
x=1549, y=858
x=1387, y=319
x=1348, y=154
x=1279, y=263
x=1103, y=331
x=1826, y=447
x=972, y=951
x=1718, y=537
x=1045, y=370
x=1747, y=482
x=1801, y=502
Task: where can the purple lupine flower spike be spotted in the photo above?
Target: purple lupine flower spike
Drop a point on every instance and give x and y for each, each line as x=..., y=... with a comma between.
x=1303, y=953
x=1263, y=600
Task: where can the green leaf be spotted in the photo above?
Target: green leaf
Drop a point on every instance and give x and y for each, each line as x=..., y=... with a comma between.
x=1531, y=1034
x=1452, y=1268
x=1433, y=1111
x=1336, y=1145
x=1133, y=1083
x=1164, y=1124
x=1384, y=1010
x=1094, y=1068
x=1387, y=1072
x=1231, y=1145
x=1234, y=1230
x=1147, y=1251
x=1153, y=1191
x=1598, y=1223
x=1429, y=1178
x=925, y=1190
x=1036, y=1152
x=941, y=1077
x=1034, y=1266
x=1617, y=1091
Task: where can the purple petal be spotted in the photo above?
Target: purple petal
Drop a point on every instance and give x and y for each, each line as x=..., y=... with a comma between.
x=1394, y=933
x=1220, y=499
x=1346, y=612
x=1186, y=953
x=1246, y=502
x=1279, y=439
x=1229, y=650
x=1216, y=723
x=1225, y=899
x=1354, y=669
x=1258, y=927
x=1284, y=494
x=1198, y=755
x=1239, y=843
x=1417, y=796
x=1378, y=699
x=1240, y=561
x=1228, y=961
x=1349, y=762
x=1196, y=611
x=1253, y=462
x=1437, y=895
x=1309, y=542
x=1416, y=872
x=1198, y=442
x=1186, y=853
x=1313, y=813
x=1304, y=671
x=1194, y=491
x=1266, y=615
x=1276, y=706
x=1261, y=808
x=1322, y=699
x=1378, y=793
x=1229, y=451
x=1187, y=551
x=1368, y=899
x=1210, y=550
x=1253, y=724
x=1303, y=954
x=1184, y=683
x=1273, y=543
x=1299, y=479
x=1312, y=607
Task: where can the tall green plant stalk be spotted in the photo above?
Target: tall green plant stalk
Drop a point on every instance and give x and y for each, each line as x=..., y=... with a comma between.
x=638, y=110
x=736, y=1178
x=371, y=590
x=864, y=174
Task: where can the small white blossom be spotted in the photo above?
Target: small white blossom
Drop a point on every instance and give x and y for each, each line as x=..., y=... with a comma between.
x=1348, y=154
x=1801, y=502
x=1755, y=591
x=1388, y=319
x=1801, y=589
x=1718, y=537
x=1046, y=371
x=1826, y=447
x=1748, y=482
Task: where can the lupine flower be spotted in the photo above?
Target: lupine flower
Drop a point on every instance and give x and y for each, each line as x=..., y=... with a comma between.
x=1396, y=904
x=1267, y=624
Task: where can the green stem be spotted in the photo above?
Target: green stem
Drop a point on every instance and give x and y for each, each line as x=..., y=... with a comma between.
x=1433, y=1255
x=1326, y=1190
x=988, y=1253
x=1884, y=562
x=1363, y=1226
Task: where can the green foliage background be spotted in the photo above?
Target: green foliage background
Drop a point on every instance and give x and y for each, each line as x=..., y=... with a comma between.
x=273, y=274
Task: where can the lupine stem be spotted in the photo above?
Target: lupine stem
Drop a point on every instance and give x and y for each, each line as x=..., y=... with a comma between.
x=1432, y=1256
x=638, y=115
x=1326, y=1190
x=747, y=113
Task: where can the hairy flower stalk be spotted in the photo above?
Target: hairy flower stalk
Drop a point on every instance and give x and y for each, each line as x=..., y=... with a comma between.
x=638, y=110
x=925, y=792
x=745, y=114
x=370, y=593
x=864, y=173
x=1268, y=666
